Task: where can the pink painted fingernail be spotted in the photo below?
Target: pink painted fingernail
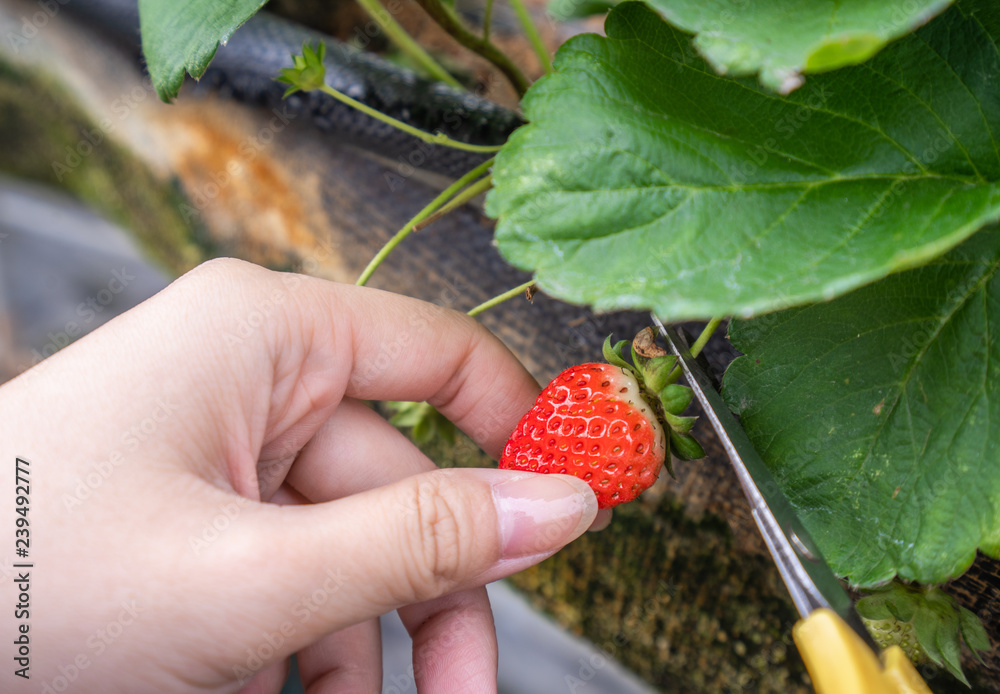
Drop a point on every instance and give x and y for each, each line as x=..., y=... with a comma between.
x=541, y=513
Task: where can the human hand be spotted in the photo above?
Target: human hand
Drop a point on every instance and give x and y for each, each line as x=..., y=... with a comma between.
x=209, y=494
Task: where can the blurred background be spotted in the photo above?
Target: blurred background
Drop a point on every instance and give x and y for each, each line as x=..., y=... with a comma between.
x=107, y=194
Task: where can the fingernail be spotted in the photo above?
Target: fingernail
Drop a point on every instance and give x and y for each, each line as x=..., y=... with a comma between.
x=541, y=513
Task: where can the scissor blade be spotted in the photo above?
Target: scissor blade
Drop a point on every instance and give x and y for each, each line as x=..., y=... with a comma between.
x=806, y=574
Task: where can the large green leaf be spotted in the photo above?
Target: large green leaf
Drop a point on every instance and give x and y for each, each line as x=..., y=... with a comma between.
x=781, y=39
x=879, y=414
x=923, y=619
x=181, y=36
x=647, y=180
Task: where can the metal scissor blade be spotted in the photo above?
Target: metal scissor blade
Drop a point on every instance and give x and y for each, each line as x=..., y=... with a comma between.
x=806, y=574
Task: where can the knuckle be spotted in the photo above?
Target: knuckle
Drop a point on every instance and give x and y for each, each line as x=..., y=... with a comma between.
x=436, y=536
x=213, y=273
x=217, y=266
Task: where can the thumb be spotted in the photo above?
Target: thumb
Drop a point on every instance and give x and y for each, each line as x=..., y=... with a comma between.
x=415, y=540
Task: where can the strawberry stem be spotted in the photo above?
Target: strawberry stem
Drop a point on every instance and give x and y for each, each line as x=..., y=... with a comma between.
x=437, y=138
x=696, y=348
x=446, y=17
x=500, y=298
x=397, y=34
x=531, y=31
x=472, y=191
x=429, y=209
x=487, y=19
x=703, y=339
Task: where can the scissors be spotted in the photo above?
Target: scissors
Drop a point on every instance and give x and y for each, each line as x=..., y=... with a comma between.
x=837, y=650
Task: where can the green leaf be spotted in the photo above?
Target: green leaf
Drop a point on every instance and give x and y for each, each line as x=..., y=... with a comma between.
x=424, y=420
x=973, y=632
x=181, y=36
x=645, y=180
x=894, y=601
x=949, y=643
x=926, y=624
x=781, y=39
x=903, y=606
x=564, y=10
x=874, y=606
x=877, y=413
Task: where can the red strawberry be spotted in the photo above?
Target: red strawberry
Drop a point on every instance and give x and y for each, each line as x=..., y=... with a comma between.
x=592, y=422
x=613, y=425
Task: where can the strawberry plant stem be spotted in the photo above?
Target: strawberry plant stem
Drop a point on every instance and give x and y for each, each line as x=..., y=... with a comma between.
x=487, y=19
x=500, y=298
x=449, y=21
x=423, y=214
x=696, y=348
x=472, y=191
x=435, y=139
x=706, y=334
x=531, y=31
x=405, y=42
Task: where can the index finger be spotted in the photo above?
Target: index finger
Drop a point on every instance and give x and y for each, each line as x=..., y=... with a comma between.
x=406, y=349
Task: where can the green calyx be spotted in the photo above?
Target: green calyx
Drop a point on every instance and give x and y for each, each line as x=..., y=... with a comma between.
x=926, y=622
x=308, y=72
x=656, y=371
x=685, y=447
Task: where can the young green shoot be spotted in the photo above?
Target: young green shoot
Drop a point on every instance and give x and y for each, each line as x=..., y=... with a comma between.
x=447, y=19
x=531, y=31
x=487, y=19
x=429, y=209
x=397, y=34
x=308, y=73
x=472, y=191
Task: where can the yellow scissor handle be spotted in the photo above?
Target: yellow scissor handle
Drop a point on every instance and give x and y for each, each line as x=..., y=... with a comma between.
x=839, y=662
